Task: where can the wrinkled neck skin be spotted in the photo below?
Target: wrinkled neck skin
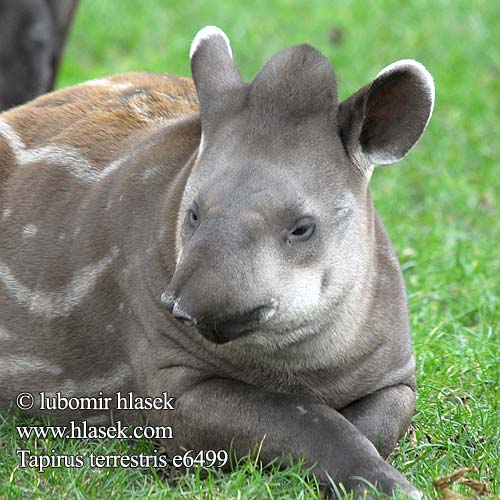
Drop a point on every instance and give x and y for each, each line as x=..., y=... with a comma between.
x=346, y=355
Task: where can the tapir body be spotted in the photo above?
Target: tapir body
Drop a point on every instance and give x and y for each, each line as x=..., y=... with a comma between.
x=216, y=241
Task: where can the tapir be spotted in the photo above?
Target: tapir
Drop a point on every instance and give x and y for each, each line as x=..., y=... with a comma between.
x=32, y=39
x=217, y=240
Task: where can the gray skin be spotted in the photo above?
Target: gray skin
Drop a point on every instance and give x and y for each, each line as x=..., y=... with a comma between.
x=32, y=37
x=252, y=277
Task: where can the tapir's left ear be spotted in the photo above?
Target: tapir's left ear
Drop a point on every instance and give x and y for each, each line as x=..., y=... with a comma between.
x=381, y=122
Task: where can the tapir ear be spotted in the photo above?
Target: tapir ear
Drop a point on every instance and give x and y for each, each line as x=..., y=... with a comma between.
x=381, y=122
x=214, y=72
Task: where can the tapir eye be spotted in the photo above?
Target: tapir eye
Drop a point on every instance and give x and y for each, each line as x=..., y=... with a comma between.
x=193, y=217
x=303, y=230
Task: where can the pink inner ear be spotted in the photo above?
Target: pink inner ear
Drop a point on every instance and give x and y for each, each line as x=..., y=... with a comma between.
x=397, y=108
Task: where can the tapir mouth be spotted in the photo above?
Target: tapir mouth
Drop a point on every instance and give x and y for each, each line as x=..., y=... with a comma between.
x=221, y=330
x=223, y=333
x=224, y=329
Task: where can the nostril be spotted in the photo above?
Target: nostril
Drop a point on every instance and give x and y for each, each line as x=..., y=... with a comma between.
x=259, y=314
x=168, y=300
x=268, y=312
x=181, y=315
x=264, y=313
x=171, y=303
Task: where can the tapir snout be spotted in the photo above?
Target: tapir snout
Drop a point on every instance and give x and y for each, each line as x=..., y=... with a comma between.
x=219, y=286
x=224, y=328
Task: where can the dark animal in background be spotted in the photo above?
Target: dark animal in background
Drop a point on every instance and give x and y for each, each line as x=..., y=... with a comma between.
x=32, y=38
x=217, y=241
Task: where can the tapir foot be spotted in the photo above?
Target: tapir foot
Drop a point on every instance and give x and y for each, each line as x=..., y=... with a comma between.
x=408, y=490
x=386, y=482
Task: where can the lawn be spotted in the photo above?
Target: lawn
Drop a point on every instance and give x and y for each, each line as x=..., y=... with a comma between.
x=440, y=206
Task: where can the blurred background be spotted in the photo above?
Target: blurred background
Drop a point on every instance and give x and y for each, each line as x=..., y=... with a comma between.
x=440, y=204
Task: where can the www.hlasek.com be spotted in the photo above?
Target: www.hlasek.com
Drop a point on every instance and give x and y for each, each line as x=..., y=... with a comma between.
x=83, y=430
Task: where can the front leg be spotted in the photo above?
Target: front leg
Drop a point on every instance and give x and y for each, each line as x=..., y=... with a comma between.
x=384, y=416
x=221, y=414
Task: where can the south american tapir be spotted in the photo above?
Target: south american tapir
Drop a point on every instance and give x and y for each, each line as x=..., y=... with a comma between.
x=216, y=239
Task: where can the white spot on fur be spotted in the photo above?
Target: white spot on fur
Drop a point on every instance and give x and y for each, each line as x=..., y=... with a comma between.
x=148, y=112
x=58, y=303
x=29, y=230
x=11, y=137
x=141, y=109
x=107, y=83
x=302, y=410
x=14, y=366
x=67, y=156
x=6, y=213
x=202, y=145
x=110, y=382
x=206, y=33
x=150, y=172
x=114, y=165
x=4, y=334
x=121, y=307
x=77, y=231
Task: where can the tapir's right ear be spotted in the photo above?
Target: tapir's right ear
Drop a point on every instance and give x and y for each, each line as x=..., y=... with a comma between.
x=214, y=72
x=381, y=122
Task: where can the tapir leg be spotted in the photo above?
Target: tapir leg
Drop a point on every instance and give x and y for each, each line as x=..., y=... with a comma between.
x=384, y=416
x=224, y=414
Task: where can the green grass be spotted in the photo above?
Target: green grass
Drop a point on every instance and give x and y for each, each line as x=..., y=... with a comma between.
x=440, y=206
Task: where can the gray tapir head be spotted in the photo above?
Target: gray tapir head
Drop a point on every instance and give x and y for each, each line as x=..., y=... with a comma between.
x=276, y=222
